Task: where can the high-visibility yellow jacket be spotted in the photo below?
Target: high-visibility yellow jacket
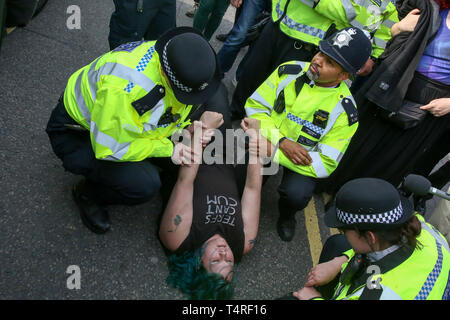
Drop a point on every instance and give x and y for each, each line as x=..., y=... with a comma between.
x=309, y=22
x=327, y=142
x=99, y=97
x=419, y=274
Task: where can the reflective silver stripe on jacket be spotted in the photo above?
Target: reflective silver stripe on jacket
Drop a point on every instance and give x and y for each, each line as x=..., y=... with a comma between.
x=387, y=294
x=292, y=24
x=126, y=73
x=113, y=69
x=251, y=111
x=155, y=115
x=439, y=238
x=337, y=111
x=309, y=3
x=379, y=42
x=318, y=165
x=388, y=23
x=330, y=152
x=257, y=97
x=81, y=103
x=119, y=149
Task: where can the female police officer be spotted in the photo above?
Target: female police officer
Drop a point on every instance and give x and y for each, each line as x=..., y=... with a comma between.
x=394, y=253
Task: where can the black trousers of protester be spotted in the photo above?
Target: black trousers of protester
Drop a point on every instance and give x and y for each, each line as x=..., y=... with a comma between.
x=109, y=182
x=130, y=23
x=272, y=48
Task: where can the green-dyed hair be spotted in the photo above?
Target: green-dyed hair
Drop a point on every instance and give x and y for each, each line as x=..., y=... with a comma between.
x=187, y=273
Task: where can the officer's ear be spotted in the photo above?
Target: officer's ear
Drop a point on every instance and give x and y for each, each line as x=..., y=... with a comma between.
x=343, y=75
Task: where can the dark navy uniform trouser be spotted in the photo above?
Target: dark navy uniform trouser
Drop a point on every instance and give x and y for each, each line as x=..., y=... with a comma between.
x=109, y=182
x=128, y=25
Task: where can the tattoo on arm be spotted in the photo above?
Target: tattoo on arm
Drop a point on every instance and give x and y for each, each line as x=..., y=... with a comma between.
x=252, y=242
x=176, y=221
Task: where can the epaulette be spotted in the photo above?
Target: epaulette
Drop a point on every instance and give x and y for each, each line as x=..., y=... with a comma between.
x=148, y=101
x=350, y=109
x=289, y=69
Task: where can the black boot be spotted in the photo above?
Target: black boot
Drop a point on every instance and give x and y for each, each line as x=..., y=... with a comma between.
x=94, y=216
x=286, y=222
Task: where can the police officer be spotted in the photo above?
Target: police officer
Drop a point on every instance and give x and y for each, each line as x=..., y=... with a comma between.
x=296, y=29
x=133, y=20
x=308, y=111
x=114, y=121
x=389, y=252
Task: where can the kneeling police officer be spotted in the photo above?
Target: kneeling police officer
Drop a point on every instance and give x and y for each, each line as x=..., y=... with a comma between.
x=114, y=121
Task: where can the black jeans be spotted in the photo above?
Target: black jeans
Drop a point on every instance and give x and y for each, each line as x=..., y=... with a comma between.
x=128, y=25
x=295, y=192
x=109, y=182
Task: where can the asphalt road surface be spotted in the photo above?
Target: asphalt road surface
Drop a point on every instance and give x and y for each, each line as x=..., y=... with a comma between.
x=41, y=233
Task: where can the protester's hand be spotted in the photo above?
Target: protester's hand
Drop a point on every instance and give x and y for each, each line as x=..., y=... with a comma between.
x=183, y=155
x=236, y=3
x=306, y=293
x=407, y=24
x=323, y=273
x=212, y=120
x=367, y=68
x=438, y=107
x=249, y=123
x=259, y=145
x=295, y=152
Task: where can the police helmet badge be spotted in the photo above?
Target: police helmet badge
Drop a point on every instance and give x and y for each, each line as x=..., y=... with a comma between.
x=344, y=37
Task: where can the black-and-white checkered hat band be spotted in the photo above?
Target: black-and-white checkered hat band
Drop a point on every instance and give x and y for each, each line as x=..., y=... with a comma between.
x=172, y=77
x=389, y=217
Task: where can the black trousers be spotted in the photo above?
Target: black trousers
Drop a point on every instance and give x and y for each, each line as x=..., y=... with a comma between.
x=272, y=48
x=295, y=192
x=128, y=25
x=109, y=182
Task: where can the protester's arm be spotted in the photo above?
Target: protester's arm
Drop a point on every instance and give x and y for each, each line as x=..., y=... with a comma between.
x=177, y=218
x=251, y=197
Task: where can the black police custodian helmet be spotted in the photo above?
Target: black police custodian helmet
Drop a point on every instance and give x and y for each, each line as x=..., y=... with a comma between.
x=368, y=204
x=190, y=64
x=350, y=47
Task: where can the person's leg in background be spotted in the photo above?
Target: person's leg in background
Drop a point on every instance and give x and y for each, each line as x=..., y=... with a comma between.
x=201, y=17
x=271, y=49
x=163, y=19
x=123, y=24
x=236, y=38
x=223, y=36
x=295, y=192
x=217, y=13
